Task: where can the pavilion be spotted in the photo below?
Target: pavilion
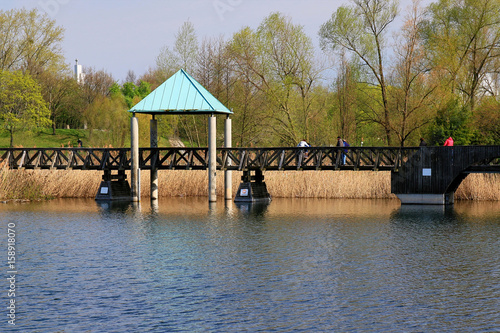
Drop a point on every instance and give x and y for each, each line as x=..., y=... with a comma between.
x=181, y=94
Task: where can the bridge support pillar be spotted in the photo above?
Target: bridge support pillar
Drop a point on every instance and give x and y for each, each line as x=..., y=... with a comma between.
x=113, y=187
x=228, y=177
x=252, y=188
x=135, y=192
x=212, y=159
x=153, y=139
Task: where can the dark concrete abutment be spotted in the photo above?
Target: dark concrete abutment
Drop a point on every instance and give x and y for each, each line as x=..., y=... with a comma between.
x=431, y=175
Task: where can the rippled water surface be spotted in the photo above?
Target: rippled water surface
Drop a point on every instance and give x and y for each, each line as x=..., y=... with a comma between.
x=295, y=265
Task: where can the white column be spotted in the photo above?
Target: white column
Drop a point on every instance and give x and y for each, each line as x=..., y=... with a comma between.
x=212, y=156
x=153, y=140
x=228, y=177
x=134, y=154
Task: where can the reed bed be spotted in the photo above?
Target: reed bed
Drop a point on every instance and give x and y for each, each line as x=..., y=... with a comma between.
x=46, y=184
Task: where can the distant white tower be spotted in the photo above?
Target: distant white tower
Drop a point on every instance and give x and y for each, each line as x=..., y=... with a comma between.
x=79, y=75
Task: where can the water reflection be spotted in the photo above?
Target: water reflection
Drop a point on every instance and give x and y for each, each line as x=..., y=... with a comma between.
x=408, y=214
x=295, y=264
x=255, y=209
x=117, y=206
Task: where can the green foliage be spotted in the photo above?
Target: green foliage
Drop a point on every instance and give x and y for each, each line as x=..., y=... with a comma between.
x=272, y=80
x=487, y=122
x=110, y=116
x=21, y=103
x=130, y=91
x=452, y=120
x=277, y=60
x=30, y=41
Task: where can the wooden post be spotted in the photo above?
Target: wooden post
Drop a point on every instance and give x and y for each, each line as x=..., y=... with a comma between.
x=212, y=156
x=153, y=139
x=134, y=155
x=228, y=177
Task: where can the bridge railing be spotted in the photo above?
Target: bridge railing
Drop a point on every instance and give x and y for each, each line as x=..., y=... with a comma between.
x=65, y=158
x=314, y=158
x=274, y=158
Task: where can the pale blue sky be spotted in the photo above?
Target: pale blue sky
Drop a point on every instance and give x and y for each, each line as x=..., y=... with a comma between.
x=119, y=35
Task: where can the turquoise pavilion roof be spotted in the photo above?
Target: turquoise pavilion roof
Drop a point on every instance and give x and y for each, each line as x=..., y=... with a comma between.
x=180, y=94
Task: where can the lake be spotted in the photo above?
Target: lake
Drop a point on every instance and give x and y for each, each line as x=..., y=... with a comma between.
x=293, y=265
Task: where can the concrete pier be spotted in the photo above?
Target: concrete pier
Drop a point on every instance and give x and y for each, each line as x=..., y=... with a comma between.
x=212, y=159
x=228, y=177
x=153, y=134
x=134, y=153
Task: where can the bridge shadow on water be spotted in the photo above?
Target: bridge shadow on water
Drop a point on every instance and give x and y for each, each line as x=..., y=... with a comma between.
x=117, y=206
x=255, y=209
x=425, y=215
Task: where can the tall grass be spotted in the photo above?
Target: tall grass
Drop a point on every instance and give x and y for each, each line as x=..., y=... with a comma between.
x=44, y=184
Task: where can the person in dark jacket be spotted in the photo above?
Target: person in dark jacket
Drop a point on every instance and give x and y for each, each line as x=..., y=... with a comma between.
x=422, y=142
x=340, y=143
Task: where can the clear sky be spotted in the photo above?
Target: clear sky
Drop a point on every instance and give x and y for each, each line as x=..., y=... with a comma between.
x=122, y=35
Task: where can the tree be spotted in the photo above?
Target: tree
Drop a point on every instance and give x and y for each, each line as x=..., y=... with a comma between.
x=60, y=90
x=278, y=61
x=452, y=119
x=96, y=84
x=21, y=103
x=183, y=55
x=131, y=77
x=108, y=115
x=30, y=41
x=487, y=122
x=463, y=38
x=412, y=91
x=345, y=89
x=130, y=91
x=361, y=30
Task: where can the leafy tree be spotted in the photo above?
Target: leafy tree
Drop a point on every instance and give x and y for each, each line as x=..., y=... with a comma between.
x=60, y=90
x=487, y=122
x=346, y=101
x=130, y=91
x=361, y=30
x=279, y=61
x=453, y=119
x=463, y=38
x=143, y=89
x=249, y=103
x=21, y=103
x=108, y=115
x=30, y=41
x=412, y=91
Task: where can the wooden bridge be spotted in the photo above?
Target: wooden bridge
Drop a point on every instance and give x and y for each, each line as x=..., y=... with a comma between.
x=418, y=174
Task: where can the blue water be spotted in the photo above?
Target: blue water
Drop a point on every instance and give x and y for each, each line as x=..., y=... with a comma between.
x=292, y=266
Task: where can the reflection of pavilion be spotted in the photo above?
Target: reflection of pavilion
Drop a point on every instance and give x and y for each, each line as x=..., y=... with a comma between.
x=181, y=94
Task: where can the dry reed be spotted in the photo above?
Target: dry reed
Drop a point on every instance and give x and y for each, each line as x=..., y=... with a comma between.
x=43, y=184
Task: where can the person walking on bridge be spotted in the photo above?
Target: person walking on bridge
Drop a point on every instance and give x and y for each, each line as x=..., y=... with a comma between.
x=448, y=142
x=340, y=143
x=302, y=144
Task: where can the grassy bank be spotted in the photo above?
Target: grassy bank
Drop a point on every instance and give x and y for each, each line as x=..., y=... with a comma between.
x=46, y=184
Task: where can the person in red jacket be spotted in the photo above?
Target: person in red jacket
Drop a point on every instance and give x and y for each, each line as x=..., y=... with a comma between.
x=448, y=142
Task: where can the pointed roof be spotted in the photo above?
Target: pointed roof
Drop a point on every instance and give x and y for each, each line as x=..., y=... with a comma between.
x=180, y=94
